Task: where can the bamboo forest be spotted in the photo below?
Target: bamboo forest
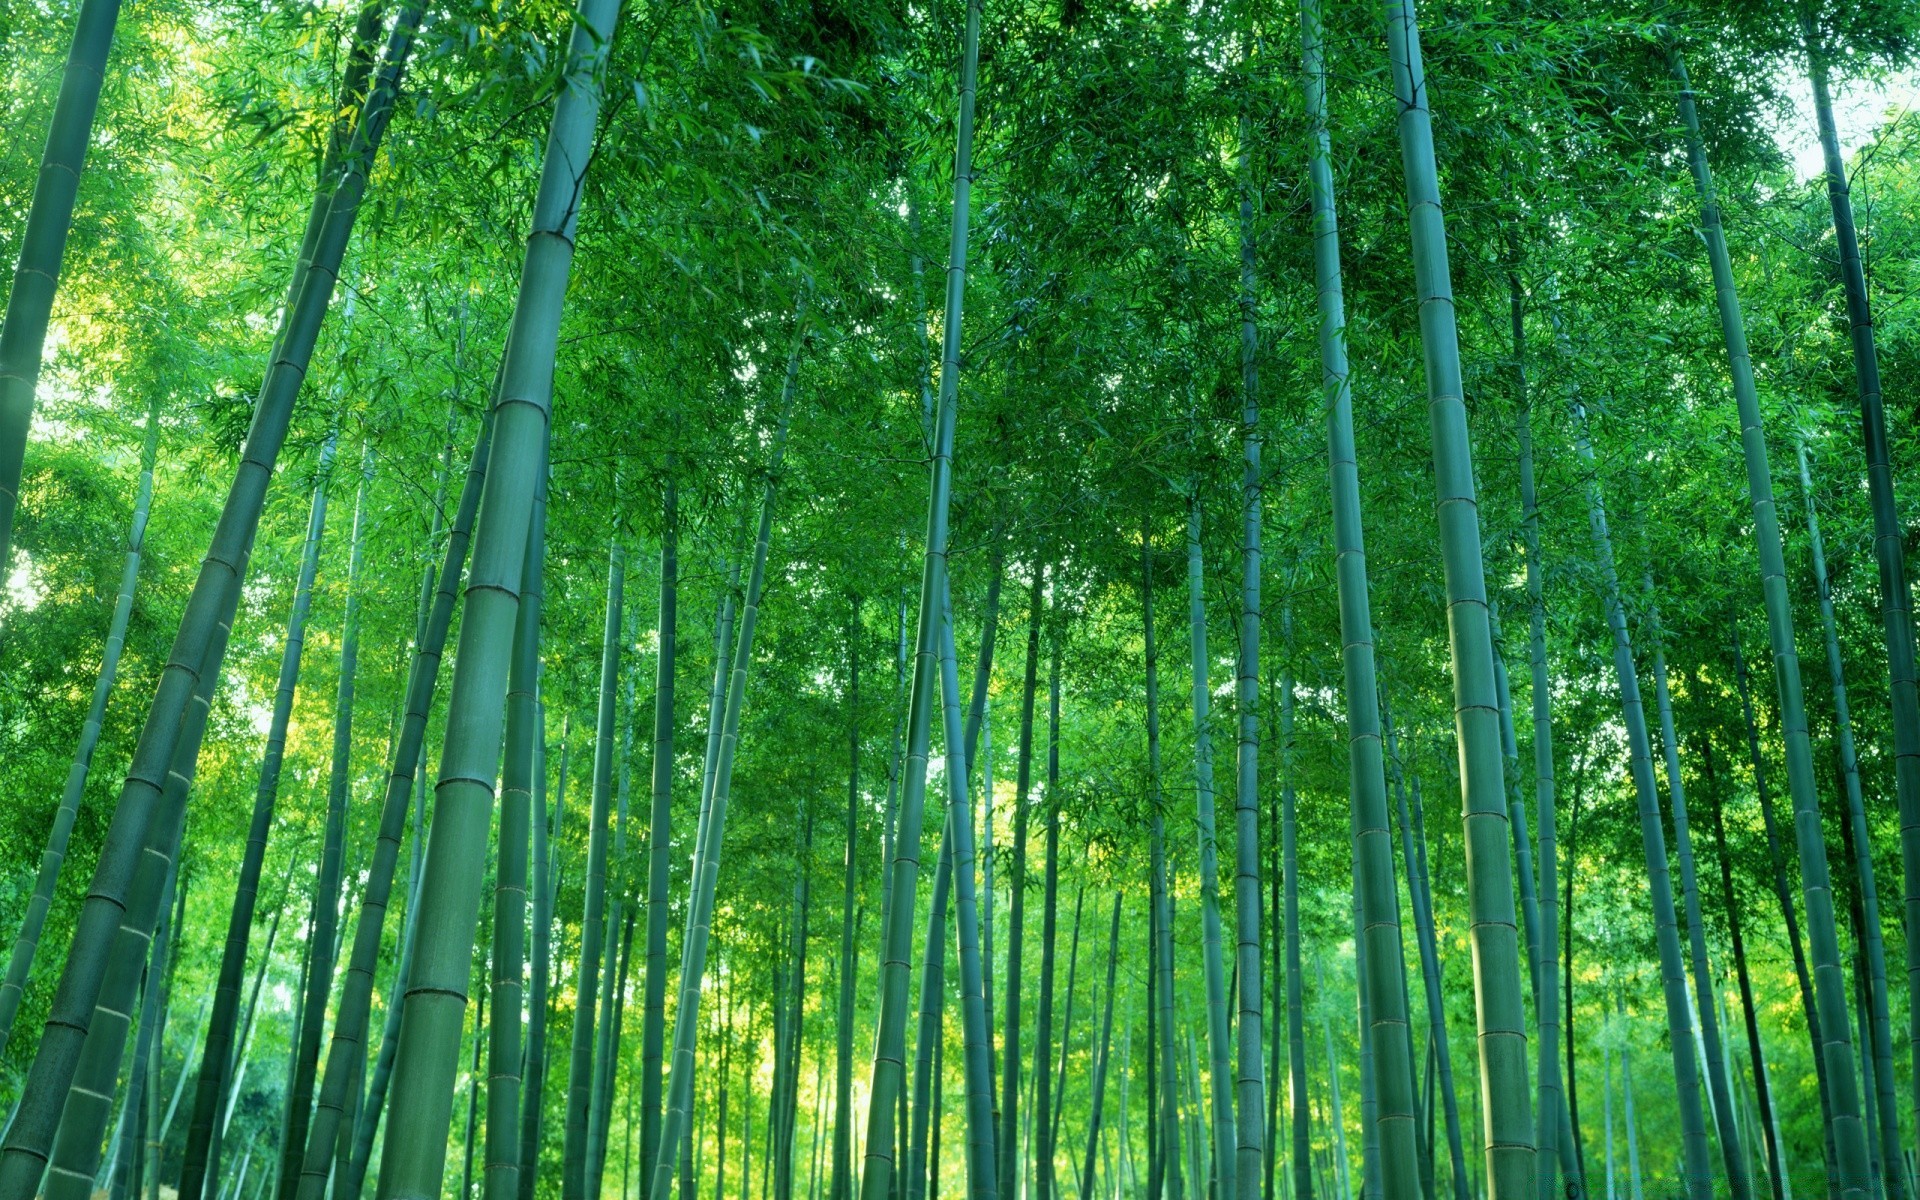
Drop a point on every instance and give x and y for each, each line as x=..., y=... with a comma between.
x=1007, y=599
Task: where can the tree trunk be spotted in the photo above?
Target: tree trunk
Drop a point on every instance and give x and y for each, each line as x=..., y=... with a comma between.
x=414, y=1160
x=1100, y=1060
x=533, y=1093
x=1384, y=971
x=1219, y=1051
x=675, y=1120
x=27, y=941
x=1044, y=1100
x=1850, y=1136
x=142, y=815
x=516, y=838
x=1169, y=1074
x=842, y=1186
x=1490, y=896
x=574, y=1169
x=1299, y=1105
x=1009, y=1146
x=1739, y=1178
x=43, y=246
x=1250, y=1079
x=327, y=883
x=1879, y=1026
x=1889, y=551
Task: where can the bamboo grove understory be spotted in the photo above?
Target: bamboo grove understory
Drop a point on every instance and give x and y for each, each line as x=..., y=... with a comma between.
x=654, y=807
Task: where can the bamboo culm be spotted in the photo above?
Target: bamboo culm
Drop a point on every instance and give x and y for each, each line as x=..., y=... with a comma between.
x=215, y=594
x=427, y=1057
x=1493, y=929
x=27, y=941
x=1830, y=991
x=889, y=1057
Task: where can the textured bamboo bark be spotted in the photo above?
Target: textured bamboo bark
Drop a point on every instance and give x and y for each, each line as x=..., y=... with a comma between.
x=1221, y=1124
x=43, y=246
x=976, y=1038
x=1733, y=1157
x=1298, y=1103
x=27, y=941
x=1776, y=1162
x=1413, y=853
x=1850, y=1135
x=1879, y=1027
x=1686, y=1074
x=321, y=934
x=1384, y=973
x=505, y=1068
x=414, y=1158
x=842, y=1184
x=1250, y=1068
x=1889, y=550
x=75, y=1151
x=533, y=1092
x=1008, y=1145
x=1493, y=933
x=1551, y=1098
x=675, y=1121
x=197, y=652
x=346, y=1052
x=1101, y=1057
x=660, y=813
x=1044, y=1100
x=606, y=1046
x=889, y=1057
x=1162, y=904
x=473, y=1096
x=215, y=1062
x=574, y=1168
x=143, y=1073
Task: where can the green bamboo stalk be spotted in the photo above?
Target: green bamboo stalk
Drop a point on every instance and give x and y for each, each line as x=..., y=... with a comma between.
x=1162, y=903
x=1850, y=1137
x=339, y=1090
x=505, y=1068
x=841, y=1187
x=27, y=941
x=1250, y=1079
x=1101, y=1056
x=215, y=593
x=215, y=1061
x=1009, y=1146
x=532, y=1107
x=660, y=813
x=1375, y=892
x=75, y=1154
x=574, y=1169
x=1776, y=1162
x=1412, y=827
x=676, y=1120
x=605, y=1046
x=1880, y=1027
x=1044, y=1100
x=1889, y=551
x=327, y=884
x=1219, y=1051
x=1299, y=1105
x=1739, y=1177
x=1686, y=1074
x=889, y=1059
x=43, y=247
x=473, y=1097
x=1493, y=930
x=933, y=965
x=976, y=1040
x=414, y=1159
x=1551, y=1095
